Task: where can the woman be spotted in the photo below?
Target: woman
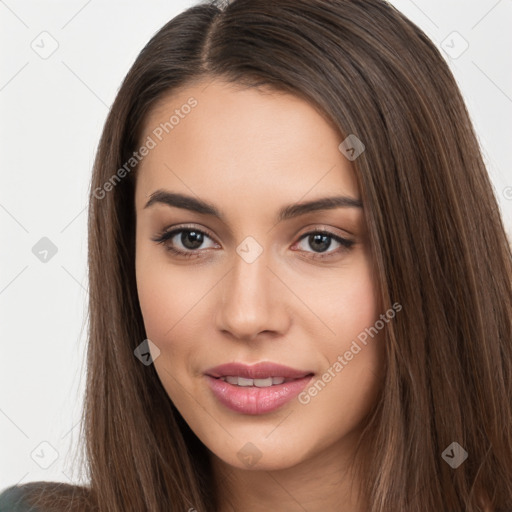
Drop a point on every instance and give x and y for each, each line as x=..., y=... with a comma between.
x=300, y=284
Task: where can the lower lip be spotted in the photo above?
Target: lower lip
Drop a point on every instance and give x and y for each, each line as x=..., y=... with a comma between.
x=254, y=400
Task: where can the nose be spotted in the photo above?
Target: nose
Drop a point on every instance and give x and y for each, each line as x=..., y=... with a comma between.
x=253, y=301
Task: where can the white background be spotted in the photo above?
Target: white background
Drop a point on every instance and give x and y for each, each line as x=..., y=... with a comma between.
x=52, y=112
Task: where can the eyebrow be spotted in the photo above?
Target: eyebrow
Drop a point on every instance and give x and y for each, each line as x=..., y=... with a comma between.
x=288, y=212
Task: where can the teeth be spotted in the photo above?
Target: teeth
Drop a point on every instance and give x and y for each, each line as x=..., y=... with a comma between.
x=259, y=383
x=245, y=382
x=263, y=383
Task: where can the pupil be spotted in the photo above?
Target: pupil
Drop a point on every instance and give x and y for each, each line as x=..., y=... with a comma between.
x=191, y=238
x=323, y=242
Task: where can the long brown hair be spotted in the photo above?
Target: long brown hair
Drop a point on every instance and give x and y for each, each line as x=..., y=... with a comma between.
x=435, y=230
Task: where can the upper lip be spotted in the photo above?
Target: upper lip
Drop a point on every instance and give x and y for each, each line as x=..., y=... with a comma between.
x=261, y=370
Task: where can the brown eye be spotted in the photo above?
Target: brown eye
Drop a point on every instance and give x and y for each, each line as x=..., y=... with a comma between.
x=321, y=241
x=183, y=241
x=191, y=238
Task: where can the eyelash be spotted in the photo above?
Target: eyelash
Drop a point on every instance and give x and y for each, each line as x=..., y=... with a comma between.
x=164, y=237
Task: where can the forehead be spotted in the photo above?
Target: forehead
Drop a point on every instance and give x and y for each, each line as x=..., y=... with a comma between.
x=224, y=142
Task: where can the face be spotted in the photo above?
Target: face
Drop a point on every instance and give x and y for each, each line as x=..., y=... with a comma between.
x=249, y=279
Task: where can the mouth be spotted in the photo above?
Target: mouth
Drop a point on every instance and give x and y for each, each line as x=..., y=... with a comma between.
x=259, y=383
x=256, y=389
x=262, y=374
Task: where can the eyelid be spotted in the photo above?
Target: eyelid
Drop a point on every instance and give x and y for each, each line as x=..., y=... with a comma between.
x=184, y=227
x=327, y=229
x=169, y=233
x=345, y=243
x=307, y=230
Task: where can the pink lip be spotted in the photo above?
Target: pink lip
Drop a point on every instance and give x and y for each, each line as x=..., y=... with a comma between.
x=254, y=400
x=256, y=371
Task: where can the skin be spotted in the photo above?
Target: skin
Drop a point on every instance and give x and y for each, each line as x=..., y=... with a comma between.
x=250, y=152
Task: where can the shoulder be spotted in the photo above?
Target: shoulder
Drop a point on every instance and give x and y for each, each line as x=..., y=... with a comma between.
x=45, y=497
x=13, y=499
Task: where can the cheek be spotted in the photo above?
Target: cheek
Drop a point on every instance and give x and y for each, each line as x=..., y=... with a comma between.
x=170, y=298
x=166, y=299
x=350, y=306
x=363, y=343
x=166, y=295
x=361, y=308
x=354, y=354
x=156, y=297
